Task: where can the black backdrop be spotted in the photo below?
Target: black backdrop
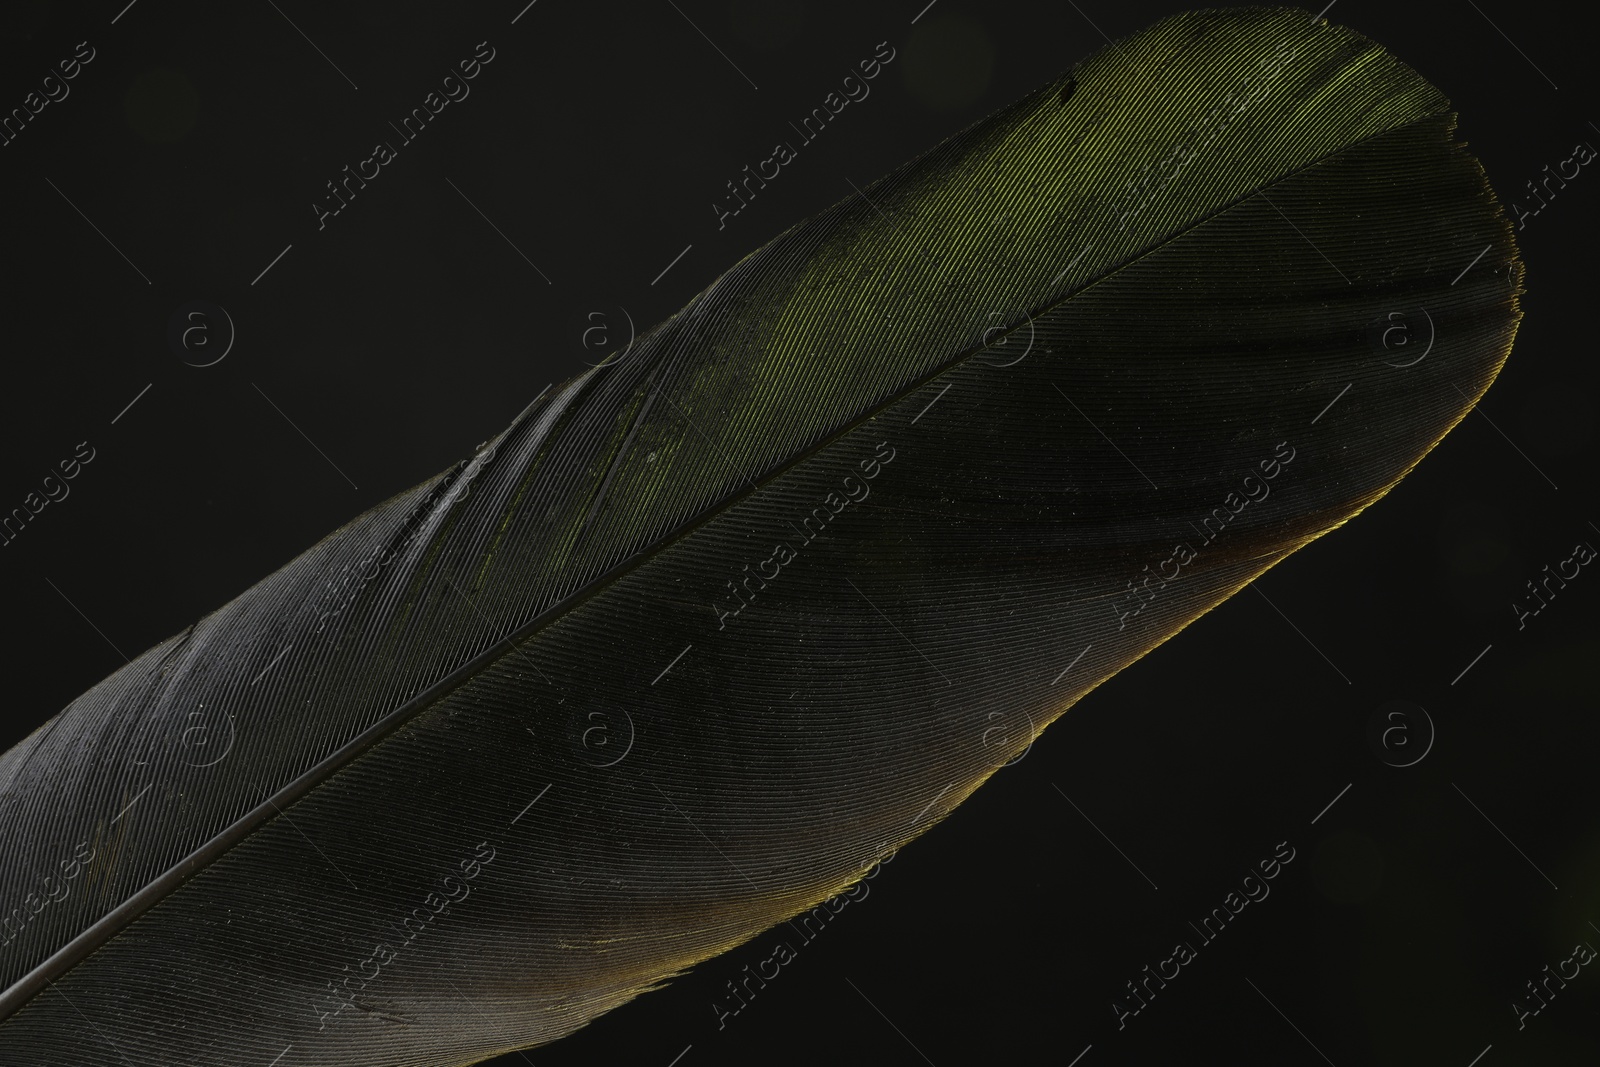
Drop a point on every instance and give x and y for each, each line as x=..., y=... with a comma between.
x=380, y=348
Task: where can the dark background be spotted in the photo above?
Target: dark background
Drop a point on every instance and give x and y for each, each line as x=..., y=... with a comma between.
x=408, y=330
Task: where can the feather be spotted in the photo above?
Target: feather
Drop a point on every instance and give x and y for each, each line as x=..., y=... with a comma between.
x=712, y=628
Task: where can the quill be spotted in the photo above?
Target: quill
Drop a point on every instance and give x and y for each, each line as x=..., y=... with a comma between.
x=710, y=629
